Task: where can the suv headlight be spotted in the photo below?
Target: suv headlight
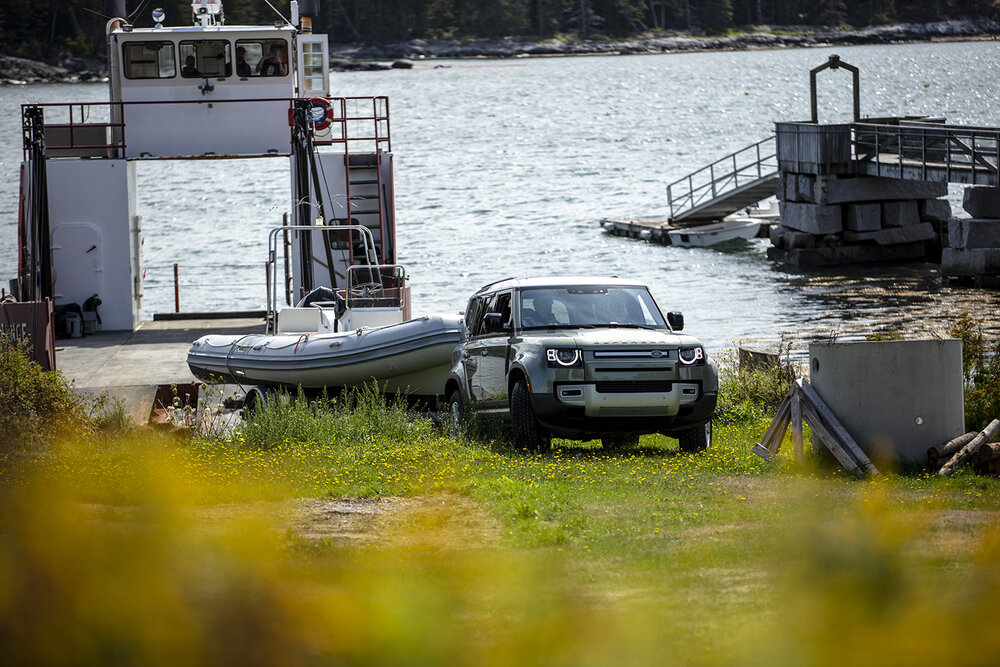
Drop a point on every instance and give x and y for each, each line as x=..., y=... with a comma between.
x=563, y=358
x=691, y=356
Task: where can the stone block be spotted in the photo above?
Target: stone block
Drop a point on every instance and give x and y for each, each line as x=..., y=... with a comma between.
x=970, y=233
x=790, y=239
x=982, y=202
x=863, y=217
x=959, y=263
x=806, y=185
x=936, y=210
x=879, y=188
x=812, y=218
x=900, y=213
x=788, y=187
x=894, y=235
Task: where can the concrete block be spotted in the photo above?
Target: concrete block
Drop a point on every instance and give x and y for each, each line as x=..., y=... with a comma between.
x=970, y=233
x=936, y=210
x=806, y=184
x=982, y=202
x=877, y=188
x=790, y=239
x=895, y=398
x=863, y=217
x=960, y=263
x=812, y=218
x=900, y=213
x=788, y=187
x=894, y=235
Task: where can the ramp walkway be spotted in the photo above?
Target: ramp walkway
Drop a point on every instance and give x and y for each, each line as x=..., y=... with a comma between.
x=725, y=186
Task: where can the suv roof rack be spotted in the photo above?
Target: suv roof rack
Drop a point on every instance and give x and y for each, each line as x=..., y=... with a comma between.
x=495, y=282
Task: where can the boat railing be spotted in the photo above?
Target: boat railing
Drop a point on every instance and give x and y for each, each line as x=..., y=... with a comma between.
x=367, y=240
x=376, y=286
x=98, y=129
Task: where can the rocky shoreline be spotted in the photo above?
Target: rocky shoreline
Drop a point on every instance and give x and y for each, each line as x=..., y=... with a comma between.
x=344, y=57
x=368, y=57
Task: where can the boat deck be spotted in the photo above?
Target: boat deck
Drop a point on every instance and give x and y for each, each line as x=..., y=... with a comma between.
x=132, y=366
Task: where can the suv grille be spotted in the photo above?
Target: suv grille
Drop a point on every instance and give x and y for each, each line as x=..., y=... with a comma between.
x=638, y=411
x=634, y=387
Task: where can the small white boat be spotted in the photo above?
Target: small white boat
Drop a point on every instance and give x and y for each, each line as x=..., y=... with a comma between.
x=719, y=232
x=338, y=338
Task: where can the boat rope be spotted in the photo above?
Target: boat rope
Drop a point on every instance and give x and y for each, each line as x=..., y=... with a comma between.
x=229, y=370
x=303, y=337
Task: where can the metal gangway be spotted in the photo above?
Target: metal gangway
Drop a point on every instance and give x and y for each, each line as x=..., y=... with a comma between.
x=727, y=185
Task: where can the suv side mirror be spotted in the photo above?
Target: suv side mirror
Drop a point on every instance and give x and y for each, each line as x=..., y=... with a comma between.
x=493, y=322
x=676, y=320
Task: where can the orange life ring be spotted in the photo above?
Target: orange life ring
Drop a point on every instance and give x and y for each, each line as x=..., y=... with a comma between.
x=320, y=112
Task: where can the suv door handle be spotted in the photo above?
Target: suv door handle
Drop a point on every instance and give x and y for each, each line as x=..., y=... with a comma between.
x=483, y=353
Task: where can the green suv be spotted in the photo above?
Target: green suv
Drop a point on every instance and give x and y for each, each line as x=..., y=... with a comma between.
x=582, y=358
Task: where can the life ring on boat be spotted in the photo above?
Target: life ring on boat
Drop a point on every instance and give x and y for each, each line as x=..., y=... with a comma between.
x=320, y=112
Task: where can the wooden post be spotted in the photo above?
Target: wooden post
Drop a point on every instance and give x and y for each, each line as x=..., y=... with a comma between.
x=963, y=454
x=768, y=446
x=177, y=292
x=832, y=425
x=939, y=453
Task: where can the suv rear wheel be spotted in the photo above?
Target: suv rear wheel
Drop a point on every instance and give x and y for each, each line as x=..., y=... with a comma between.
x=527, y=432
x=696, y=439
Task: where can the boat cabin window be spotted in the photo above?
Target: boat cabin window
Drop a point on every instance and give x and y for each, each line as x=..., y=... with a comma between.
x=262, y=57
x=205, y=58
x=149, y=60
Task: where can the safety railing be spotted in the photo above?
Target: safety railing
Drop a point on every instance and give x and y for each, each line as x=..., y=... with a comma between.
x=740, y=169
x=929, y=152
x=98, y=129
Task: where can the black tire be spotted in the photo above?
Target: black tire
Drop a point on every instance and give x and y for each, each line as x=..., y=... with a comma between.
x=696, y=439
x=620, y=441
x=527, y=432
x=456, y=412
x=255, y=399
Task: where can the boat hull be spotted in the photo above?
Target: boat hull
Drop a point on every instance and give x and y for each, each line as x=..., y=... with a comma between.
x=411, y=357
x=708, y=235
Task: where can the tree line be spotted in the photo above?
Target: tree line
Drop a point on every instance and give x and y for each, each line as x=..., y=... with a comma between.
x=44, y=30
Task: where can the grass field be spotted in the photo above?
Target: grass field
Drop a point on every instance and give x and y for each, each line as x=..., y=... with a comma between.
x=374, y=538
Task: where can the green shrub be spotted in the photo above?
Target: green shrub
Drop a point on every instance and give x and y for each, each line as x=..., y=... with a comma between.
x=981, y=366
x=750, y=393
x=36, y=406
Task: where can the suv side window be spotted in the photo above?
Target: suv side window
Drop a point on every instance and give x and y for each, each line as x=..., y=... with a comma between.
x=473, y=314
x=498, y=303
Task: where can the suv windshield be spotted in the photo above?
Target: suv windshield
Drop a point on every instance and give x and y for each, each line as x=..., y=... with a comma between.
x=588, y=306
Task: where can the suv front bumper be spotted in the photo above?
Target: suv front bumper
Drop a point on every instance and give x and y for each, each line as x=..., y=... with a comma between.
x=580, y=409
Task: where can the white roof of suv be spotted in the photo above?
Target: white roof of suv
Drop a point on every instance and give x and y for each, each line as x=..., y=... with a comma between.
x=560, y=281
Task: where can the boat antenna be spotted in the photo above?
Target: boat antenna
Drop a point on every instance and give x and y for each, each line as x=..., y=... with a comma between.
x=277, y=12
x=133, y=14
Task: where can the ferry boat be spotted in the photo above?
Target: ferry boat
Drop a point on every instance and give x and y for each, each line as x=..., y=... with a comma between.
x=201, y=92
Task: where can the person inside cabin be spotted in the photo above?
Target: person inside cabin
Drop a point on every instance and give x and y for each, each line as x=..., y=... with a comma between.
x=539, y=314
x=242, y=66
x=189, y=70
x=273, y=64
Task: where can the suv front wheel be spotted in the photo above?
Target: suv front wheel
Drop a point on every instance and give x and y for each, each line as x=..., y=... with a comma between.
x=695, y=439
x=527, y=432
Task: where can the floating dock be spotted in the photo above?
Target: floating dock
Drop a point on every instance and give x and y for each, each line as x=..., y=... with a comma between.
x=658, y=228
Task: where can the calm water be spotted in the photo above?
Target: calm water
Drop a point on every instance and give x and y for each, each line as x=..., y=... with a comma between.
x=505, y=167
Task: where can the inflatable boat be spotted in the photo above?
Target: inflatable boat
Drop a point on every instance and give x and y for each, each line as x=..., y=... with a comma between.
x=412, y=357
x=339, y=339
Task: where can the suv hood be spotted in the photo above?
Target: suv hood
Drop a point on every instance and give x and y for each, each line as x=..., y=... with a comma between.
x=612, y=337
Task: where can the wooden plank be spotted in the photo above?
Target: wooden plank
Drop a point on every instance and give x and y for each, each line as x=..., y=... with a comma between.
x=768, y=446
x=834, y=426
x=829, y=441
x=948, y=469
x=796, y=417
